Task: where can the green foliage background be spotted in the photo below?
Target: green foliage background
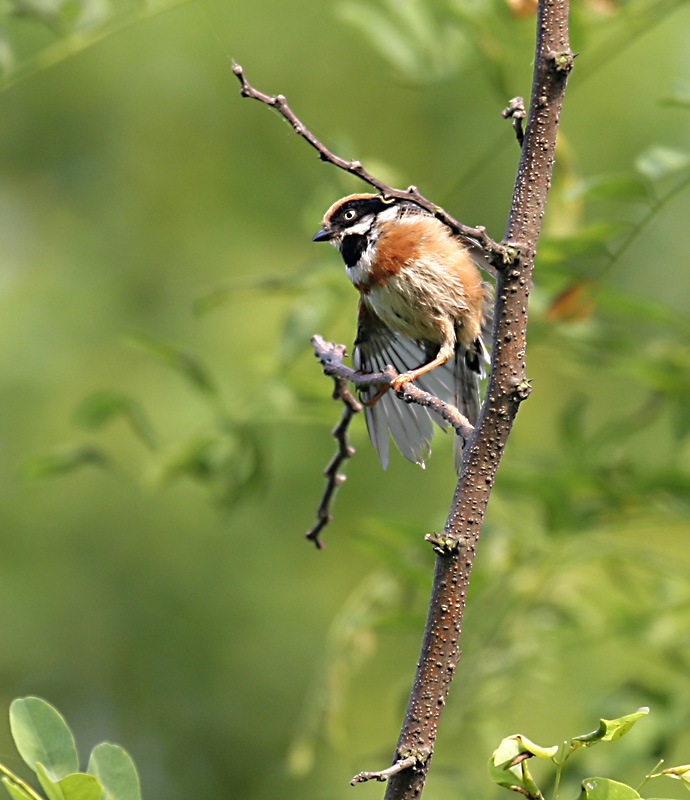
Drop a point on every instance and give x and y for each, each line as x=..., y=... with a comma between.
x=164, y=424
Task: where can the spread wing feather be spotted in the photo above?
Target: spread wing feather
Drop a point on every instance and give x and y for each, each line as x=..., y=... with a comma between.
x=410, y=425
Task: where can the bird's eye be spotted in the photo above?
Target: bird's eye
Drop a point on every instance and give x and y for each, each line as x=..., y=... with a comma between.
x=349, y=215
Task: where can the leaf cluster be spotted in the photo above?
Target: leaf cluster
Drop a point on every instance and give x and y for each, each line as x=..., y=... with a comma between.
x=509, y=763
x=46, y=744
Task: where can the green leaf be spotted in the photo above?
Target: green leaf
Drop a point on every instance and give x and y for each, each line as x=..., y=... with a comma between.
x=606, y=789
x=63, y=461
x=658, y=162
x=681, y=773
x=611, y=187
x=15, y=792
x=116, y=771
x=508, y=763
x=50, y=786
x=81, y=786
x=186, y=364
x=101, y=407
x=610, y=729
x=77, y=786
x=42, y=736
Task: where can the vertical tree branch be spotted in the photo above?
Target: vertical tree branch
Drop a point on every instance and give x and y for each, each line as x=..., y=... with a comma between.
x=507, y=388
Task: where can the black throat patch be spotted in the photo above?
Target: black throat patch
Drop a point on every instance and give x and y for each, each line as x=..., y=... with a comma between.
x=354, y=244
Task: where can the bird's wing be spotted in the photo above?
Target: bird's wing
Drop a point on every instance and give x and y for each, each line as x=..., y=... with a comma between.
x=409, y=424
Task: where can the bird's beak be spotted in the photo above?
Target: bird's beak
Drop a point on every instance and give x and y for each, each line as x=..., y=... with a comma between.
x=323, y=235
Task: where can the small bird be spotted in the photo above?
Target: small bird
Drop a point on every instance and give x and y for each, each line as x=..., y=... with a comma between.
x=423, y=309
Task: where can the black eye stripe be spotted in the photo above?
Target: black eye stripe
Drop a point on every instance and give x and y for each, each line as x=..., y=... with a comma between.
x=361, y=207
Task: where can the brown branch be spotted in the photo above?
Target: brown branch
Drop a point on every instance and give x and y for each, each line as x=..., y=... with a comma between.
x=344, y=451
x=331, y=357
x=476, y=239
x=507, y=387
x=385, y=774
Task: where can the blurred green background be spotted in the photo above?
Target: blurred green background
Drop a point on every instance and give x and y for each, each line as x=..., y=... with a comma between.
x=164, y=424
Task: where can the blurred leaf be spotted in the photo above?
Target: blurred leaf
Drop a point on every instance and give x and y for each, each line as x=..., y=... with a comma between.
x=606, y=789
x=308, y=316
x=101, y=407
x=7, y=59
x=392, y=44
x=407, y=36
x=610, y=729
x=522, y=8
x=42, y=735
x=229, y=462
x=93, y=13
x=573, y=303
x=115, y=769
x=621, y=186
x=228, y=291
x=589, y=240
x=572, y=424
x=680, y=419
x=679, y=95
x=15, y=792
x=658, y=162
x=63, y=461
x=186, y=364
x=351, y=640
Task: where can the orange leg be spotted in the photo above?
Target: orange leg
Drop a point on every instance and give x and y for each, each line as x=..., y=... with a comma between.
x=406, y=377
x=372, y=401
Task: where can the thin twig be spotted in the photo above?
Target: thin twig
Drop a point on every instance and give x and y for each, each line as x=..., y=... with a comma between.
x=516, y=112
x=385, y=774
x=350, y=407
x=473, y=237
x=331, y=357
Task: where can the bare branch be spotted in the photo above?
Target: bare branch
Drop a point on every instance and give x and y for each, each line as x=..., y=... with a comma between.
x=508, y=386
x=331, y=357
x=344, y=451
x=385, y=774
x=473, y=237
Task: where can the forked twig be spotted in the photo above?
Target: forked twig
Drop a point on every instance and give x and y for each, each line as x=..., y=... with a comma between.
x=331, y=357
x=350, y=407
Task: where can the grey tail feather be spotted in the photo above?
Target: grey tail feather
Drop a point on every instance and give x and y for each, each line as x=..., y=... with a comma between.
x=469, y=367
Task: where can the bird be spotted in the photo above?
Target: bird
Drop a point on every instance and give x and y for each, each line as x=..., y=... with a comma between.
x=423, y=309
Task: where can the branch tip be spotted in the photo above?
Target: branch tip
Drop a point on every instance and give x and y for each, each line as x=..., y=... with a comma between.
x=382, y=775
